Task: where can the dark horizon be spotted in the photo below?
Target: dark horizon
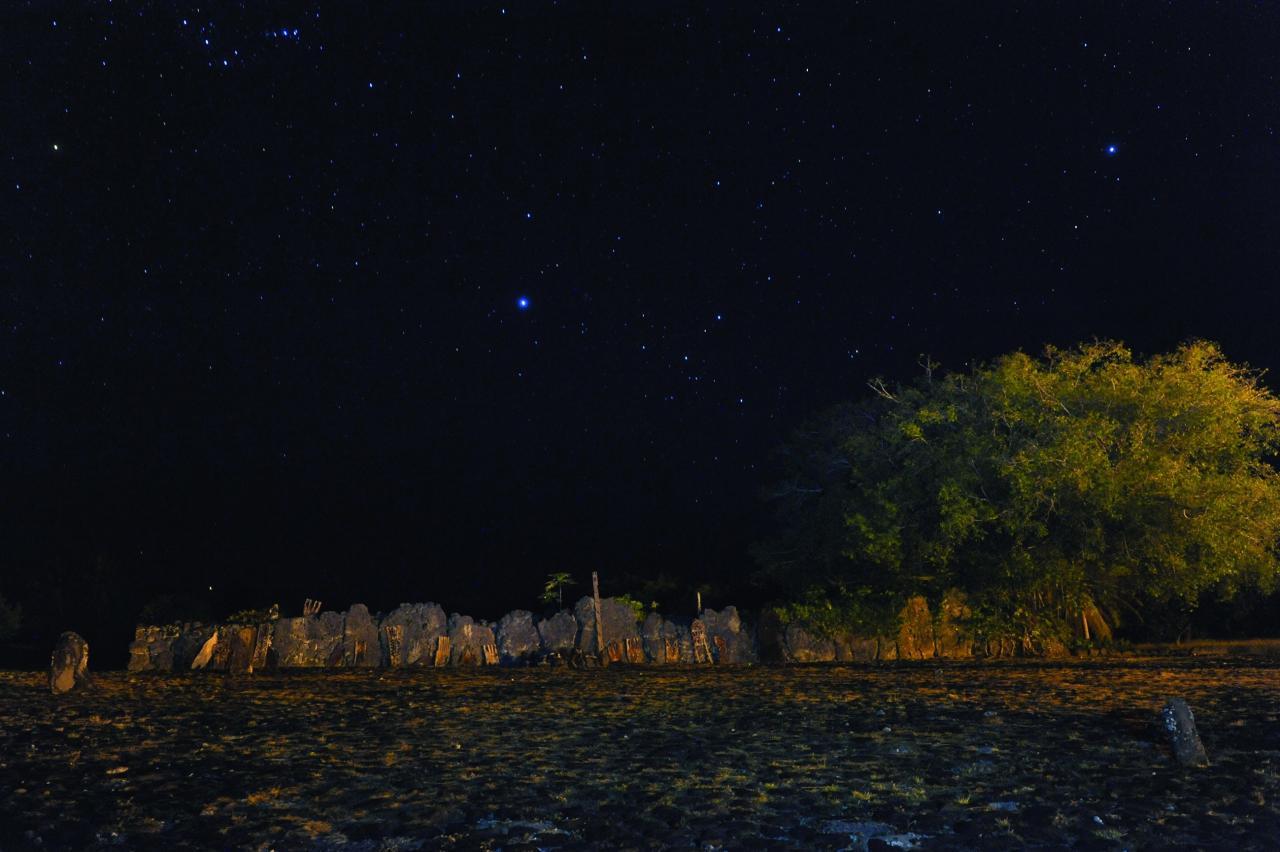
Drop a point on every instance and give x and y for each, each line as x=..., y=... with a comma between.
x=426, y=302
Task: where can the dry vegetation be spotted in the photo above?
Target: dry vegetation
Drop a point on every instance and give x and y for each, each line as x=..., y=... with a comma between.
x=933, y=755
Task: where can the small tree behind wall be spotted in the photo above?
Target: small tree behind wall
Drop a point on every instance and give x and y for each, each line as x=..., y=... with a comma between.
x=553, y=590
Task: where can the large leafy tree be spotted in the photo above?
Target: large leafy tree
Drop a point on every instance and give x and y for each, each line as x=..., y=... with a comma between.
x=1041, y=486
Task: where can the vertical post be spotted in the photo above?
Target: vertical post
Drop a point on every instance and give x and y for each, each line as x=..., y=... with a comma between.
x=1084, y=620
x=595, y=595
x=698, y=612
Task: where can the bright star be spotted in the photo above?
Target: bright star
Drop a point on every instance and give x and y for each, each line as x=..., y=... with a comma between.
x=1112, y=150
x=523, y=303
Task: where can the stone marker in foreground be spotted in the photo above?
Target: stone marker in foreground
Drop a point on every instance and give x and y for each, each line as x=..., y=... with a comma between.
x=69, y=666
x=1180, y=725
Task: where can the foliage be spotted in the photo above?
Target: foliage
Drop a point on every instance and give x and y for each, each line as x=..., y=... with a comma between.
x=553, y=591
x=255, y=616
x=1038, y=486
x=10, y=618
x=637, y=607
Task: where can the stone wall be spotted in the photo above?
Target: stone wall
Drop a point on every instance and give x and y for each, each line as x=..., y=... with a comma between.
x=422, y=635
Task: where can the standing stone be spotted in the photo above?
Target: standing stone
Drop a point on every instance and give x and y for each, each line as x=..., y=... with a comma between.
x=698, y=633
x=205, y=654
x=1180, y=726
x=953, y=637
x=361, y=647
x=730, y=642
x=558, y=633
x=308, y=641
x=240, y=656
x=152, y=648
x=801, y=646
x=517, y=638
x=191, y=640
x=915, y=636
x=489, y=654
x=221, y=659
x=618, y=618
x=69, y=664
x=651, y=638
x=421, y=625
x=467, y=639
x=393, y=644
x=635, y=650
x=442, y=651
x=613, y=651
x=261, y=647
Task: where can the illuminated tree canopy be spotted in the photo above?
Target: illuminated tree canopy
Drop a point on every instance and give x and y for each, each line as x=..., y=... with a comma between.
x=1039, y=486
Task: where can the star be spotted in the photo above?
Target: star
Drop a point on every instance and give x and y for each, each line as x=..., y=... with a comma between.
x=523, y=303
x=1111, y=150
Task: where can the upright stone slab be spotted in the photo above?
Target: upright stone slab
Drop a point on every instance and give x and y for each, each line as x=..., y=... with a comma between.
x=152, y=648
x=261, y=647
x=618, y=618
x=239, y=645
x=467, y=639
x=558, y=634
x=651, y=638
x=613, y=651
x=1180, y=726
x=393, y=644
x=915, y=635
x=421, y=625
x=191, y=640
x=205, y=654
x=698, y=634
x=953, y=638
x=517, y=638
x=361, y=647
x=442, y=651
x=69, y=663
x=802, y=646
x=730, y=642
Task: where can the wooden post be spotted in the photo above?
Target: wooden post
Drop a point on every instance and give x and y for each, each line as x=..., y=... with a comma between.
x=1084, y=620
x=698, y=612
x=595, y=594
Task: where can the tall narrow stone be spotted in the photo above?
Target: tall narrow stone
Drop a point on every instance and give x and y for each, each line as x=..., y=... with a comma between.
x=1180, y=725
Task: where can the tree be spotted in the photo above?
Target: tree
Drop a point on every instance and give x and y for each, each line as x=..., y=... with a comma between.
x=1043, y=487
x=553, y=591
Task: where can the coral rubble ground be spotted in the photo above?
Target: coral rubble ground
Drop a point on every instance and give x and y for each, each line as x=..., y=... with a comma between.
x=928, y=755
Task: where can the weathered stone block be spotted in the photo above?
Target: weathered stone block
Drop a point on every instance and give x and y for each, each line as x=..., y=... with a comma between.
x=69, y=663
x=1180, y=726
x=802, y=646
x=467, y=639
x=421, y=625
x=361, y=647
x=517, y=638
x=618, y=618
x=559, y=633
x=915, y=635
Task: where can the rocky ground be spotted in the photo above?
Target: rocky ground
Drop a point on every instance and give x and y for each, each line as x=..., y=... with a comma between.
x=937, y=755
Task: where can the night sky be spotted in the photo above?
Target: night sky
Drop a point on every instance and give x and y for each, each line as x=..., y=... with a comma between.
x=423, y=301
